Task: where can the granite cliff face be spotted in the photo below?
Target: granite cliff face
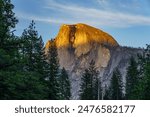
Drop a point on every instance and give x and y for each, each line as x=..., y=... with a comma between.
x=79, y=44
x=83, y=41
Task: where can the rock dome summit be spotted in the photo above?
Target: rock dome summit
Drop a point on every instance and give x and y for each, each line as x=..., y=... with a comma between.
x=79, y=44
x=80, y=34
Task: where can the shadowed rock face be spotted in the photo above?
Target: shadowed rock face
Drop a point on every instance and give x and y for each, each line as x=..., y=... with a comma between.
x=79, y=44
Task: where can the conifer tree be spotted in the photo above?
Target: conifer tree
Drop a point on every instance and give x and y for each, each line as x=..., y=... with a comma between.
x=65, y=85
x=116, y=86
x=132, y=80
x=53, y=73
x=33, y=49
x=146, y=91
x=89, y=81
x=146, y=74
x=107, y=95
x=98, y=89
x=86, y=92
x=32, y=64
x=8, y=22
x=8, y=47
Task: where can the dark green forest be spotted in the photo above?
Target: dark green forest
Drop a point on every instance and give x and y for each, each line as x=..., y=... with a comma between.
x=27, y=73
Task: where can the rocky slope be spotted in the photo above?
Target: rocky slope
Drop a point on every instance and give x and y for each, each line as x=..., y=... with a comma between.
x=79, y=44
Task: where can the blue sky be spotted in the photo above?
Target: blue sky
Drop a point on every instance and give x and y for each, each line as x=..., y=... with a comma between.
x=128, y=21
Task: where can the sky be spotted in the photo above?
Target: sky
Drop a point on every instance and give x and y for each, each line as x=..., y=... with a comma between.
x=128, y=21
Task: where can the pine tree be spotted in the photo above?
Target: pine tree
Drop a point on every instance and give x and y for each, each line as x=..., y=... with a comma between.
x=41, y=65
x=33, y=49
x=98, y=89
x=116, y=86
x=86, y=92
x=107, y=95
x=7, y=38
x=65, y=85
x=146, y=74
x=8, y=21
x=32, y=64
x=132, y=80
x=89, y=81
x=53, y=72
x=8, y=47
x=146, y=91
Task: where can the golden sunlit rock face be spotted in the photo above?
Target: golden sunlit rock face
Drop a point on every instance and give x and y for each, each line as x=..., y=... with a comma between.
x=78, y=40
x=80, y=34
